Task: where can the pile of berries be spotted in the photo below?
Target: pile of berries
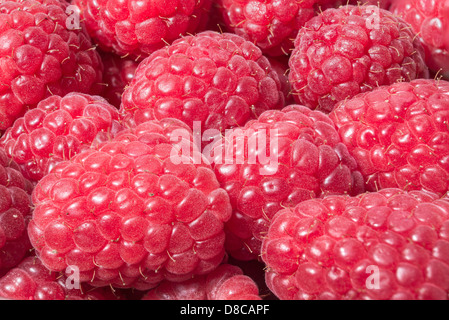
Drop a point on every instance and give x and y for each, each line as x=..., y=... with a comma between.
x=224, y=150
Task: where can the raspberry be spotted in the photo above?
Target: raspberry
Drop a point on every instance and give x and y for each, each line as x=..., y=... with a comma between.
x=57, y=129
x=430, y=20
x=40, y=56
x=118, y=73
x=273, y=25
x=384, y=4
x=226, y=282
x=255, y=269
x=398, y=135
x=349, y=50
x=390, y=244
x=137, y=28
x=30, y=280
x=282, y=158
x=132, y=213
x=15, y=212
x=218, y=80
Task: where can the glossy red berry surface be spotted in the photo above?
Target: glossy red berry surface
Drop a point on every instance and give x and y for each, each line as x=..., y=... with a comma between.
x=133, y=213
x=349, y=50
x=398, y=134
x=217, y=80
x=15, y=213
x=226, y=282
x=41, y=55
x=282, y=158
x=30, y=280
x=383, y=245
x=57, y=129
x=271, y=25
x=138, y=28
x=430, y=20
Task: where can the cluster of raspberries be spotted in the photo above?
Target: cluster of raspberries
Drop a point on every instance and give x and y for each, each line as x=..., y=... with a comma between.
x=224, y=150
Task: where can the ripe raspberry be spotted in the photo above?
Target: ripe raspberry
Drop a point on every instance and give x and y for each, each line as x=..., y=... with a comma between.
x=398, y=134
x=137, y=28
x=273, y=25
x=285, y=157
x=57, y=129
x=219, y=80
x=226, y=282
x=40, y=56
x=15, y=212
x=132, y=213
x=118, y=73
x=430, y=20
x=384, y=4
x=349, y=50
x=30, y=280
x=255, y=269
x=382, y=245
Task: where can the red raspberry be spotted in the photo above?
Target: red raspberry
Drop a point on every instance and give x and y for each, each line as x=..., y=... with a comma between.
x=57, y=129
x=138, y=28
x=219, y=80
x=384, y=4
x=132, y=213
x=15, y=212
x=118, y=73
x=282, y=158
x=40, y=56
x=226, y=282
x=273, y=25
x=30, y=280
x=398, y=134
x=430, y=20
x=382, y=245
x=255, y=269
x=349, y=50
